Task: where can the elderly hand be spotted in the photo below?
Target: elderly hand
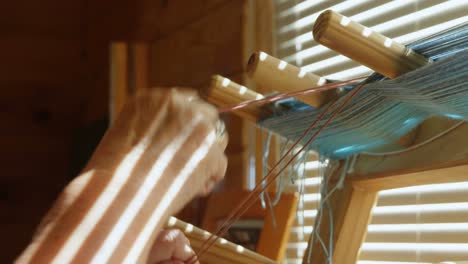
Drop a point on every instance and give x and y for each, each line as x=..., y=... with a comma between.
x=161, y=152
x=171, y=247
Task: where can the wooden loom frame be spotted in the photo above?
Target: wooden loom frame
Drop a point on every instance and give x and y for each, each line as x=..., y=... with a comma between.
x=442, y=160
x=352, y=205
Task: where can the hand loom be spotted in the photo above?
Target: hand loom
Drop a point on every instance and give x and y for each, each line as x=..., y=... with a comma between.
x=427, y=78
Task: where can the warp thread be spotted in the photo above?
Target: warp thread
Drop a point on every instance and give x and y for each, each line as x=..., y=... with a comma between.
x=386, y=109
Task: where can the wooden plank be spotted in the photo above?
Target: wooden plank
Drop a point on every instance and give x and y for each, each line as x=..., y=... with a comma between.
x=265, y=26
x=274, y=239
x=141, y=65
x=352, y=205
x=443, y=175
x=236, y=172
x=353, y=230
x=190, y=57
x=446, y=151
x=226, y=252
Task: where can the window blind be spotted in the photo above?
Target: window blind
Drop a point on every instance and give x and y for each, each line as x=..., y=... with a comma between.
x=421, y=224
x=402, y=20
x=307, y=208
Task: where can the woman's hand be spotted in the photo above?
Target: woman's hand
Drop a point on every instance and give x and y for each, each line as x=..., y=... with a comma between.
x=171, y=247
x=160, y=117
x=162, y=151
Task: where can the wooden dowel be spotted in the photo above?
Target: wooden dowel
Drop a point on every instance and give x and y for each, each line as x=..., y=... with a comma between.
x=365, y=46
x=273, y=74
x=224, y=92
x=222, y=249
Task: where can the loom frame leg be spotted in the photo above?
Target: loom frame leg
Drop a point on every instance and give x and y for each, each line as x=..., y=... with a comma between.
x=443, y=160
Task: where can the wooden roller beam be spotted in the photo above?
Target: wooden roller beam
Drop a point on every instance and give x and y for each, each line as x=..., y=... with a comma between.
x=222, y=251
x=365, y=46
x=273, y=74
x=352, y=205
x=224, y=92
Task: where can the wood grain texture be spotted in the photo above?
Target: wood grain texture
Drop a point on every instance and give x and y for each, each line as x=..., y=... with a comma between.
x=55, y=78
x=172, y=16
x=209, y=46
x=48, y=18
x=42, y=76
x=141, y=66
x=40, y=61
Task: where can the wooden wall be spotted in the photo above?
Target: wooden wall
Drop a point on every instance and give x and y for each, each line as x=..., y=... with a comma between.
x=54, y=79
x=42, y=69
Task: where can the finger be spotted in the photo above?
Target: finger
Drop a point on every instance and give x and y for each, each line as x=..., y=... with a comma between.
x=182, y=247
x=170, y=244
x=171, y=262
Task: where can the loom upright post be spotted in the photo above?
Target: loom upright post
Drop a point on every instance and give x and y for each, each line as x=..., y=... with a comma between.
x=352, y=205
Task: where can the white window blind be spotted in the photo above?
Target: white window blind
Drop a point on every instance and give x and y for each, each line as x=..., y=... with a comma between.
x=422, y=224
x=402, y=20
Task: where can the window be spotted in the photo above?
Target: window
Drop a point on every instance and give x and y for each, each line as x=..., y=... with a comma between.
x=402, y=20
x=417, y=224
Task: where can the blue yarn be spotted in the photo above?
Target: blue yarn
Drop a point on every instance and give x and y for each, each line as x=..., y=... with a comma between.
x=385, y=110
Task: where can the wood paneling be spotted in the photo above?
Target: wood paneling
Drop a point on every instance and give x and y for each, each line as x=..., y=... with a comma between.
x=172, y=15
x=209, y=46
x=47, y=18
x=54, y=78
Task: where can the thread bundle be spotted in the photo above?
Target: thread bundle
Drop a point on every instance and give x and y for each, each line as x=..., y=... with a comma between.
x=387, y=109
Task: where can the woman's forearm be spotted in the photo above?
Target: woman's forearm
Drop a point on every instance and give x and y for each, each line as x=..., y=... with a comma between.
x=111, y=213
x=113, y=220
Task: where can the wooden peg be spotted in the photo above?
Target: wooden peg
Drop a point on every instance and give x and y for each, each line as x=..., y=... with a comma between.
x=365, y=46
x=224, y=92
x=273, y=74
x=222, y=251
